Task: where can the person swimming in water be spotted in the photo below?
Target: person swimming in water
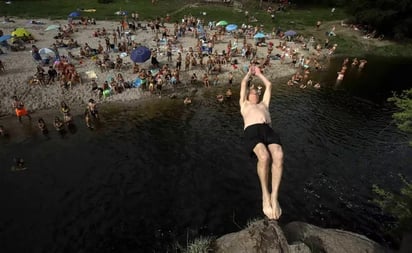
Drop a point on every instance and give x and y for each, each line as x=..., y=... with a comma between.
x=42, y=126
x=19, y=108
x=3, y=131
x=59, y=126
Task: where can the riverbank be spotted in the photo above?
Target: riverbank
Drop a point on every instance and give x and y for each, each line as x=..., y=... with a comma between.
x=20, y=67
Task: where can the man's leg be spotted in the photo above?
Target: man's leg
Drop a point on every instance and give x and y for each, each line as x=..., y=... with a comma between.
x=276, y=153
x=263, y=174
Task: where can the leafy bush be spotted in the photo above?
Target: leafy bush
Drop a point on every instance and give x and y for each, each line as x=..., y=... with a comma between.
x=397, y=205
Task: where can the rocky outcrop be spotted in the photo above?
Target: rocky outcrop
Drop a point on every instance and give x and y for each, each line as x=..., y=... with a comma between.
x=260, y=236
x=330, y=240
x=295, y=237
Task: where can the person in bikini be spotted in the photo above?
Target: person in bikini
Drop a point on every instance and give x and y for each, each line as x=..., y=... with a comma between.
x=262, y=141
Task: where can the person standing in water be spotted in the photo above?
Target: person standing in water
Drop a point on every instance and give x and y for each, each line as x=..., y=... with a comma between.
x=19, y=108
x=261, y=140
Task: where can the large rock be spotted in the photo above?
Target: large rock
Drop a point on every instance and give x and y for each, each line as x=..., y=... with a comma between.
x=330, y=240
x=260, y=236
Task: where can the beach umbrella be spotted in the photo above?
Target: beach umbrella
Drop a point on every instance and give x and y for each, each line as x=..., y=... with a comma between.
x=290, y=33
x=74, y=14
x=52, y=27
x=259, y=36
x=46, y=53
x=231, y=27
x=5, y=37
x=20, y=32
x=222, y=23
x=140, y=54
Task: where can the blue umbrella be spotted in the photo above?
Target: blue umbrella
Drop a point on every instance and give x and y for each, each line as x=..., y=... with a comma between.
x=231, y=27
x=5, y=37
x=140, y=54
x=290, y=33
x=259, y=36
x=74, y=14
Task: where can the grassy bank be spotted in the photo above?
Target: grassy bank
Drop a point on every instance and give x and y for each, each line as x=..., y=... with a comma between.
x=302, y=19
x=59, y=9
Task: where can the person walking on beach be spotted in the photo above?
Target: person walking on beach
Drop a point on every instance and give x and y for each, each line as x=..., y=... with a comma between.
x=262, y=141
x=20, y=109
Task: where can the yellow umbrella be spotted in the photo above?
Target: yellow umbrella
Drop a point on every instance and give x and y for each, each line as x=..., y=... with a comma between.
x=20, y=32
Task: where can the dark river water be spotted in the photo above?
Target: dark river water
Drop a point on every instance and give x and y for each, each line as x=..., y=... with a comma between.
x=159, y=174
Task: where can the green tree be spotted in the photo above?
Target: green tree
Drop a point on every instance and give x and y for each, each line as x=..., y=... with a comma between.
x=399, y=205
x=390, y=17
x=403, y=117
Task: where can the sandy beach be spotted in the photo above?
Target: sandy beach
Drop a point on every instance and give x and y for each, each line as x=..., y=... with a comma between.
x=20, y=66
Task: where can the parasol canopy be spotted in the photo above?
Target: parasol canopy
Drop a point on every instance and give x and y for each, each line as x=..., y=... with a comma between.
x=290, y=33
x=231, y=27
x=140, y=54
x=74, y=14
x=259, y=36
x=5, y=37
x=222, y=23
x=46, y=53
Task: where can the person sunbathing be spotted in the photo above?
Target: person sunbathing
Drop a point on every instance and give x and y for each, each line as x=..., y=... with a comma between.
x=136, y=68
x=72, y=43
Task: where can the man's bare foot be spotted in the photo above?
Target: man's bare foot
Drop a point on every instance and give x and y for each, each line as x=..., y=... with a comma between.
x=267, y=209
x=276, y=210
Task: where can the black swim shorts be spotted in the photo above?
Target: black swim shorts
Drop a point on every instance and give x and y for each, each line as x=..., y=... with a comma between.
x=260, y=133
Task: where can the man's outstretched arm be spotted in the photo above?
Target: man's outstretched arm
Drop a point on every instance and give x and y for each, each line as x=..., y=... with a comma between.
x=243, y=87
x=268, y=87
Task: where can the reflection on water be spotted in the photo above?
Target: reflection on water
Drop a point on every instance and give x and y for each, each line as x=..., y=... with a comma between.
x=161, y=172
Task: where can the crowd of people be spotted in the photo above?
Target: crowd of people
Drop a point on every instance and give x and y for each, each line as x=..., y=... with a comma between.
x=200, y=64
x=62, y=124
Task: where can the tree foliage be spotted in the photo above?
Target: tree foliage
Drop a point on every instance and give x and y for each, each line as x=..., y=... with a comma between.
x=389, y=17
x=105, y=1
x=397, y=205
x=403, y=117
